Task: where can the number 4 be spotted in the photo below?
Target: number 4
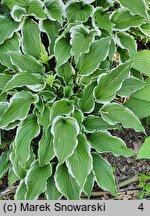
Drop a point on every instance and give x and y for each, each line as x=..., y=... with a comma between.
x=141, y=207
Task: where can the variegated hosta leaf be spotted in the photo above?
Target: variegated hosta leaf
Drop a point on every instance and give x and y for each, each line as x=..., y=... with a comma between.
x=104, y=174
x=31, y=80
x=52, y=192
x=144, y=150
x=4, y=78
x=86, y=103
x=66, y=71
x=141, y=61
x=64, y=131
x=78, y=115
x=45, y=150
x=81, y=38
x=90, y=61
x=143, y=94
x=21, y=191
x=78, y=11
x=123, y=20
x=80, y=162
x=36, y=180
x=12, y=44
x=4, y=163
x=51, y=28
x=93, y=123
x=102, y=20
x=109, y=84
x=43, y=117
x=89, y=184
x=17, y=13
x=129, y=86
x=136, y=7
x=66, y=184
x=105, y=142
x=36, y=8
x=62, y=50
x=19, y=171
x=12, y=178
x=145, y=29
x=61, y=107
x=31, y=41
x=139, y=107
x=3, y=107
x=116, y=113
x=28, y=129
x=126, y=41
x=54, y=9
x=18, y=107
x=25, y=62
x=21, y=3
x=7, y=28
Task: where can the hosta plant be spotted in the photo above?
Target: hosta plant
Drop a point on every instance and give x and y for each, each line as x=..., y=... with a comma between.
x=70, y=72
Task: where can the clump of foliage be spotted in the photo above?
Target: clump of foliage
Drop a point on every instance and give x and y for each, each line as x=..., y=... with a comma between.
x=70, y=72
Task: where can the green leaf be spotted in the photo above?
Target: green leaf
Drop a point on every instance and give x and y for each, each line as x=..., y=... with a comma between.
x=105, y=142
x=65, y=131
x=4, y=163
x=51, y=192
x=123, y=20
x=126, y=41
x=116, y=113
x=144, y=151
x=140, y=108
x=89, y=62
x=18, y=108
x=66, y=71
x=61, y=107
x=31, y=41
x=12, y=44
x=4, y=78
x=145, y=29
x=143, y=94
x=109, y=84
x=18, y=13
x=21, y=191
x=129, y=86
x=45, y=150
x=51, y=28
x=54, y=9
x=33, y=81
x=141, y=61
x=93, y=123
x=3, y=107
x=36, y=8
x=12, y=178
x=104, y=174
x=11, y=3
x=86, y=103
x=28, y=129
x=136, y=7
x=25, y=62
x=89, y=184
x=62, y=50
x=36, y=180
x=102, y=20
x=66, y=185
x=19, y=171
x=81, y=38
x=78, y=11
x=43, y=117
x=80, y=162
x=8, y=28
